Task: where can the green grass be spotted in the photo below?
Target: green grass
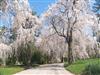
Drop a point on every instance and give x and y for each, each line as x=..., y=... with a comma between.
x=10, y=70
x=80, y=65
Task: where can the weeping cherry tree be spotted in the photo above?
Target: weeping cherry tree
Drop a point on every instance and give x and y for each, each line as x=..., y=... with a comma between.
x=67, y=16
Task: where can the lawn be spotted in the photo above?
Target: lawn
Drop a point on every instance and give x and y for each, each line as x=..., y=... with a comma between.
x=80, y=65
x=10, y=70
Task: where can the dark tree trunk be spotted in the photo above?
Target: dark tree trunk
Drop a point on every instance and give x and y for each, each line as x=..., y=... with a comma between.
x=70, y=52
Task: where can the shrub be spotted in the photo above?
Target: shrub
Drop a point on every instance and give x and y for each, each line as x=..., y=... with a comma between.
x=92, y=69
x=24, y=53
x=36, y=57
x=28, y=54
x=39, y=58
x=1, y=62
x=11, y=60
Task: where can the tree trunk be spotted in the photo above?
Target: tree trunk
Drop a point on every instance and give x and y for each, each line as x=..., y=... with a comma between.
x=70, y=52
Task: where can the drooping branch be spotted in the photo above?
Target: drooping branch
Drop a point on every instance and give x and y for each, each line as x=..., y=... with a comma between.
x=55, y=28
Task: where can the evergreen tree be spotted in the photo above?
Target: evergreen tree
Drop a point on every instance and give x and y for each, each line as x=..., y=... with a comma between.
x=96, y=7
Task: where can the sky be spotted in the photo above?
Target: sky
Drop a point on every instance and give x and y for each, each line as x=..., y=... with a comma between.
x=40, y=6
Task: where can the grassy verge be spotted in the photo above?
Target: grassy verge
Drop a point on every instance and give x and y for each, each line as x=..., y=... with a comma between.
x=80, y=65
x=10, y=70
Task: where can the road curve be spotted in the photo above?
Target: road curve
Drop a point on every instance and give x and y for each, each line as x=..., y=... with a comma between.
x=48, y=69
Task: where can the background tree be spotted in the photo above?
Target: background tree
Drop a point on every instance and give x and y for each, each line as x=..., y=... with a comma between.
x=22, y=24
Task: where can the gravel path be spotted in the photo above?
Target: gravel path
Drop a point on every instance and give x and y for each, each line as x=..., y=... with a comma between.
x=48, y=69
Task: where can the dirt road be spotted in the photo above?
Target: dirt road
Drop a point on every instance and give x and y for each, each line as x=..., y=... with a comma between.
x=48, y=69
